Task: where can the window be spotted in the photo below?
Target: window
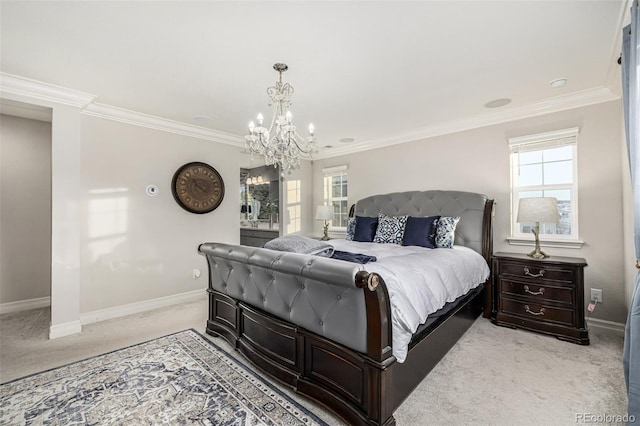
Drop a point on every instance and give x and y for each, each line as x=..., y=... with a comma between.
x=335, y=194
x=545, y=165
x=294, y=206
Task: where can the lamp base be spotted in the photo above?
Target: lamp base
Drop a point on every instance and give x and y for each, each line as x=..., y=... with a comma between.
x=537, y=253
x=325, y=235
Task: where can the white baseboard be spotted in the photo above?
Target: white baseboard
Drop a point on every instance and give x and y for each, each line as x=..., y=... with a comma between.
x=608, y=327
x=64, y=329
x=25, y=305
x=146, y=305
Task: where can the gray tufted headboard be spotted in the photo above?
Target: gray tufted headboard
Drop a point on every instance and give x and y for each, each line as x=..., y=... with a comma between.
x=470, y=206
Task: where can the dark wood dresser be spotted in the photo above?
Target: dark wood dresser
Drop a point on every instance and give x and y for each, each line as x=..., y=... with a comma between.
x=256, y=237
x=543, y=295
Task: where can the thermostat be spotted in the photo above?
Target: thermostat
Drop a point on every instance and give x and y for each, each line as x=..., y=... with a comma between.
x=152, y=190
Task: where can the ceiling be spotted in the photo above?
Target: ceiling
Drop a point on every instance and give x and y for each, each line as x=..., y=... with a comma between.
x=376, y=72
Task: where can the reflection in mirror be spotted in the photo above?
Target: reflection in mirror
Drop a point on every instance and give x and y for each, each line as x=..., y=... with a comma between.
x=259, y=198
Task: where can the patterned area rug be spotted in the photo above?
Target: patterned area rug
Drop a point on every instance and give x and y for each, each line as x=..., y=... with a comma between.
x=181, y=379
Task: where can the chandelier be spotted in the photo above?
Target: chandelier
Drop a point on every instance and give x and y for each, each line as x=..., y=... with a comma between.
x=279, y=144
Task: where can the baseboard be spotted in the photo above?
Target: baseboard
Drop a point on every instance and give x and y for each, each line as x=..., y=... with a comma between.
x=605, y=326
x=143, y=306
x=64, y=329
x=25, y=305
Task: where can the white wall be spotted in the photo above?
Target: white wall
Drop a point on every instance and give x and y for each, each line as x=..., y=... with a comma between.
x=25, y=209
x=478, y=161
x=135, y=247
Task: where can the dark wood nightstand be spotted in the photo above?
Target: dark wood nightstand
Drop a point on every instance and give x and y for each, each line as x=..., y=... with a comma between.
x=544, y=295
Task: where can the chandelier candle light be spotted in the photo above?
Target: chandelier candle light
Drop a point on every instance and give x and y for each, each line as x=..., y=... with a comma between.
x=256, y=180
x=537, y=209
x=280, y=144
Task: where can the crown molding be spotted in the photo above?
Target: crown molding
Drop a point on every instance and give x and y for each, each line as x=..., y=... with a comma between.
x=158, y=123
x=613, y=77
x=547, y=106
x=45, y=92
x=39, y=92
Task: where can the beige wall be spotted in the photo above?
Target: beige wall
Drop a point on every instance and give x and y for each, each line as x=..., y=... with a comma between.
x=478, y=161
x=25, y=209
x=135, y=247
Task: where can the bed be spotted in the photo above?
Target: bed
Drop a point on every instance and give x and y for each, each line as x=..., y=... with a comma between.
x=324, y=327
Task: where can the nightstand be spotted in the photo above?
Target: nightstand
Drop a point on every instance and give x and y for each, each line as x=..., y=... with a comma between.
x=543, y=295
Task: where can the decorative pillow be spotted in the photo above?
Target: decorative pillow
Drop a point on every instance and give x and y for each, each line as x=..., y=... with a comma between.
x=446, y=231
x=420, y=231
x=390, y=229
x=351, y=228
x=365, y=229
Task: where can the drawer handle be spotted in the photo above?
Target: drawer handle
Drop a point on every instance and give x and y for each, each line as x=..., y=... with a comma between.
x=537, y=293
x=529, y=311
x=539, y=274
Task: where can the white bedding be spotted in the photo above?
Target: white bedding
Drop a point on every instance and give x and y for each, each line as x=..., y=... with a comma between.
x=419, y=280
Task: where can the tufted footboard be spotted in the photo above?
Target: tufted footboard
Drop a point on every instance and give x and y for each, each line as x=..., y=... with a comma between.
x=318, y=324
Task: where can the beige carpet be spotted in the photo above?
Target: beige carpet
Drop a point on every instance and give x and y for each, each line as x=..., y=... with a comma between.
x=493, y=376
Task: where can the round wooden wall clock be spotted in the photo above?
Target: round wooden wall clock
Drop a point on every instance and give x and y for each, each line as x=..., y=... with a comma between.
x=197, y=187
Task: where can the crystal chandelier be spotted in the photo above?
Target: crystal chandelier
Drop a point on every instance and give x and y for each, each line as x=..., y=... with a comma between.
x=280, y=144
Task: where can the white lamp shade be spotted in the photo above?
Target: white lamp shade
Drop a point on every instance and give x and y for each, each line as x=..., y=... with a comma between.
x=538, y=209
x=324, y=213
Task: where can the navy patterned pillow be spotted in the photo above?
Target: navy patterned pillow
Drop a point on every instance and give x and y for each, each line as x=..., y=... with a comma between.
x=390, y=229
x=365, y=229
x=351, y=228
x=446, y=231
x=420, y=231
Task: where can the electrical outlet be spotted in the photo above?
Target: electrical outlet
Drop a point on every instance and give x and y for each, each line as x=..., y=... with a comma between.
x=596, y=295
x=196, y=274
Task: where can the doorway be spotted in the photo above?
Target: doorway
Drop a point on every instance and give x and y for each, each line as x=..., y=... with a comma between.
x=25, y=209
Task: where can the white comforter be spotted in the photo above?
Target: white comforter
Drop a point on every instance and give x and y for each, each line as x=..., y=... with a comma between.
x=419, y=280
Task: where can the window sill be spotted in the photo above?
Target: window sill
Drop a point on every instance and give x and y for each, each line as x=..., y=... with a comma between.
x=337, y=233
x=570, y=244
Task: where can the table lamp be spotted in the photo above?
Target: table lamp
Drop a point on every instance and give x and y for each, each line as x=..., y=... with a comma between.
x=538, y=209
x=325, y=213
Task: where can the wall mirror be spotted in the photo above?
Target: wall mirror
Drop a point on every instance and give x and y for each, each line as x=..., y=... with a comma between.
x=260, y=200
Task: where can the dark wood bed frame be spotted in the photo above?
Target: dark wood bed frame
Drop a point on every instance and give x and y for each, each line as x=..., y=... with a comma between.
x=361, y=388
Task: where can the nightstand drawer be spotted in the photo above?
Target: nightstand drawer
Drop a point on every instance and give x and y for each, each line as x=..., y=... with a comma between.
x=533, y=271
x=538, y=291
x=537, y=311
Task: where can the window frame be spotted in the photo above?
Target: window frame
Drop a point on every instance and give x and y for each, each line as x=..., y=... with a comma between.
x=293, y=224
x=328, y=174
x=540, y=142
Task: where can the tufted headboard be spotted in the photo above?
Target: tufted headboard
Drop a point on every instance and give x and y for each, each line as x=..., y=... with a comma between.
x=470, y=206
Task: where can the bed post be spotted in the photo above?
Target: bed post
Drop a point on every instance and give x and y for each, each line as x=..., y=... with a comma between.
x=376, y=299
x=487, y=252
